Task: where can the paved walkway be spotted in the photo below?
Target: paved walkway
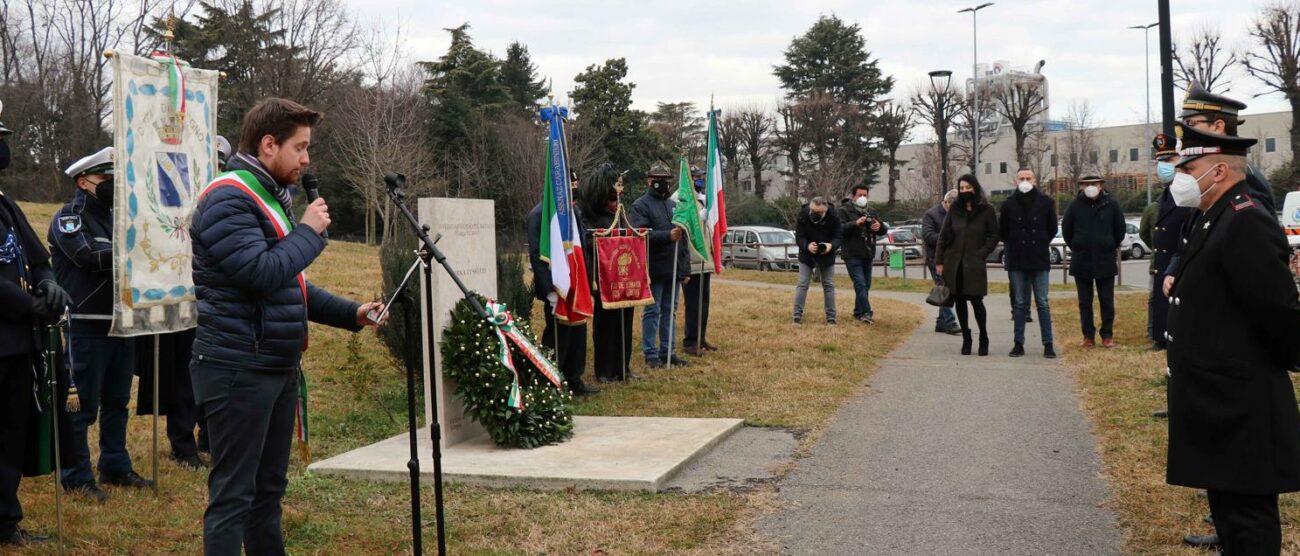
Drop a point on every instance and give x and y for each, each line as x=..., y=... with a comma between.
x=951, y=454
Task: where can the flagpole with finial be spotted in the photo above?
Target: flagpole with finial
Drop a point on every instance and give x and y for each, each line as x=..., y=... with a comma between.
x=169, y=35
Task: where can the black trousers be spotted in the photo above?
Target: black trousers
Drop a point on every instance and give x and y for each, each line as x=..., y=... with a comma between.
x=1247, y=524
x=1105, y=293
x=697, y=310
x=1159, y=308
x=250, y=418
x=570, y=343
x=611, y=334
x=15, y=407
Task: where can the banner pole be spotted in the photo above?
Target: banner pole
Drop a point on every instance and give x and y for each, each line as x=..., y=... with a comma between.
x=53, y=367
x=672, y=309
x=157, y=341
x=699, y=313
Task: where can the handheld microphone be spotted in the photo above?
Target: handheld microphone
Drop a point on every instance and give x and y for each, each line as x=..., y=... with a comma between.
x=311, y=187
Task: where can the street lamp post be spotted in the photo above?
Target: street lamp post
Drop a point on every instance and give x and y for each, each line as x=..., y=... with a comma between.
x=941, y=122
x=975, y=82
x=1146, y=31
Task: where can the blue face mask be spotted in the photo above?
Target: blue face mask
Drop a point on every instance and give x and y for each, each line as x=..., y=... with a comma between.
x=1165, y=172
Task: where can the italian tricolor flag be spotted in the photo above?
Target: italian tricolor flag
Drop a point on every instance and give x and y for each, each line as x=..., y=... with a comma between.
x=560, y=244
x=715, y=207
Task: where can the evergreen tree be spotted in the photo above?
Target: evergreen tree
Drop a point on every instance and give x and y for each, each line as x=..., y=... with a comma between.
x=519, y=75
x=603, y=97
x=832, y=57
x=464, y=86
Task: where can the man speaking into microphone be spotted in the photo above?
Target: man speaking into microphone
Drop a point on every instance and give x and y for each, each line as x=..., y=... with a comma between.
x=254, y=304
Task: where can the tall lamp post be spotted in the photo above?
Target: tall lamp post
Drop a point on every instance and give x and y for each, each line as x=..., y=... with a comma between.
x=975, y=82
x=941, y=121
x=1146, y=31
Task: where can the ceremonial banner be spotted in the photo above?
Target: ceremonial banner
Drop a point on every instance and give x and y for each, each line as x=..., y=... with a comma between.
x=686, y=214
x=164, y=142
x=623, y=278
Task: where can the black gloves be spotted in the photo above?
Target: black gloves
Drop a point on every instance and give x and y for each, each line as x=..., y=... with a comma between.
x=54, y=297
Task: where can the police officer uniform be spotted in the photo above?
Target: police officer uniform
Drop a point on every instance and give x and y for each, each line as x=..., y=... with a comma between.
x=1201, y=102
x=81, y=242
x=29, y=295
x=1166, y=242
x=1234, y=332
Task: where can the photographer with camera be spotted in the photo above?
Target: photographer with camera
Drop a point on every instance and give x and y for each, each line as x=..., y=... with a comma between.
x=860, y=225
x=818, y=235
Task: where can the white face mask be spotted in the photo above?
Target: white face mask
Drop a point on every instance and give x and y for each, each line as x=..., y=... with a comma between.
x=861, y=202
x=1025, y=186
x=1186, y=190
x=1091, y=191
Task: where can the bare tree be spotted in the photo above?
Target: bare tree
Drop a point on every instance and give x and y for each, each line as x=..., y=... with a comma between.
x=938, y=109
x=894, y=125
x=925, y=171
x=378, y=129
x=1276, y=61
x=1203, y=60
x=756, y=127
x=1080, y=145
x=729, y=139
x=789, y=141
x=1021, y=102
x=964, y=122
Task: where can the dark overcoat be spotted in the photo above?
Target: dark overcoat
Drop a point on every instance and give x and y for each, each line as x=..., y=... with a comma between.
x=965, y=241
x=1234, y=332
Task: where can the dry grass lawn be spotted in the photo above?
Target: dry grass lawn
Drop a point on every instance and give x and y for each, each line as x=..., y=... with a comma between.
x=768, y=373
x=1120, y=388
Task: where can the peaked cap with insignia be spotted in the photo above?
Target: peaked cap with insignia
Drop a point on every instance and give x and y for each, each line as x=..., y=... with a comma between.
x=659, y=170
x=1198, y=143
x=1165, y=147
x=1201, y=101
x=98, y=163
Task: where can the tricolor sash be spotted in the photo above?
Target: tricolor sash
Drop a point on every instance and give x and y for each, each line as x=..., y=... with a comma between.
x=246, y=182
x=503, y=323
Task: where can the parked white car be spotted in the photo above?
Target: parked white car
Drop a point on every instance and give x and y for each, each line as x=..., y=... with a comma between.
x=761, y=247
x=1132, y=246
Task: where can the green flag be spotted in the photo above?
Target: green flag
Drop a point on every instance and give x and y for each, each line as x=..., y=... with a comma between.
x=686, y=214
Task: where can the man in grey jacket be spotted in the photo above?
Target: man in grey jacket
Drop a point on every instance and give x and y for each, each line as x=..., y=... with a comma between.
x=931, y=223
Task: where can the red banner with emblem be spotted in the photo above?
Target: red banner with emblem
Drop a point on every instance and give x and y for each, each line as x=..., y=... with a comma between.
x=622, y=275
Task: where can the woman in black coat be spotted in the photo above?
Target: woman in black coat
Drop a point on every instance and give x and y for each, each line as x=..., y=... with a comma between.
x=969, y=234
x=599, y=195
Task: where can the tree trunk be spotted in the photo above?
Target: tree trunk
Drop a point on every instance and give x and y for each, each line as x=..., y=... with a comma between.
x=756, y=163
x=1294, y=98
x=893, y=185
x=1020, y=148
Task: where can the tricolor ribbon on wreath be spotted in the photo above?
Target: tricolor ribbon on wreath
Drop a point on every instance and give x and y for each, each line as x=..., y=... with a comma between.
x=503, y=323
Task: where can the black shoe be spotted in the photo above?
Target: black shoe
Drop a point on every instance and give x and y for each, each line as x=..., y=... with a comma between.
x=1202, y=541
x=654, y=363
x=678, y=361
x=192, y=463
x=1017, y=350
x=984, y=345
x=952, y=330
x=129, y=479
x=965, y=342
x=22, y=537
x=798, y=320
x=1160, y=414
x=830, y=321
x=869, y=319
x=1209, y=518
x=89, y=490
x=1049, y=351
x=580, y=389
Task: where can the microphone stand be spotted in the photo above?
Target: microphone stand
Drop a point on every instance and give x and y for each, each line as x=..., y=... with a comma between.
x=428, y=252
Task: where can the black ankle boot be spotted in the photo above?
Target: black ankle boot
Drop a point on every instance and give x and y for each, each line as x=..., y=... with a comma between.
x=965, y=342
x=984, y=343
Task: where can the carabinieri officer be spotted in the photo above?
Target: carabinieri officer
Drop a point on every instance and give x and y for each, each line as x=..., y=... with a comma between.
x=81, y=243
x=1233, y=333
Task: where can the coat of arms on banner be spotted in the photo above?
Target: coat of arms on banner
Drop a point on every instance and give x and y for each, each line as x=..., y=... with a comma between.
x=164, y=123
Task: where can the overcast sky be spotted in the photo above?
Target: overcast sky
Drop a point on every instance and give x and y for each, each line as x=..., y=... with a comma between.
x=687, y=50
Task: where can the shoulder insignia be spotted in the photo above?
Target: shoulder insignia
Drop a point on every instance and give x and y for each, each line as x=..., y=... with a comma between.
x=70, y=224
x=1242, y=202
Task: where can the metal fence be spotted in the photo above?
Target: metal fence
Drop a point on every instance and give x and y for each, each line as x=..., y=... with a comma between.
x=738, y=255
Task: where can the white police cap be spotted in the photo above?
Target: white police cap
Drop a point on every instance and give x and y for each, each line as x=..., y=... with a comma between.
x=223, y=147
x=98, y=163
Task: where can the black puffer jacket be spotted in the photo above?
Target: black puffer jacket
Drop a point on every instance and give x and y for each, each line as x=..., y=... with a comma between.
x=252, y=315
x=826, y=230
x=1027, y=226
x=1094, y=231
x=656, y=213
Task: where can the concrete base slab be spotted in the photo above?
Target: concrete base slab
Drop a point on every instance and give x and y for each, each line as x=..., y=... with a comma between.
x=605, y=453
